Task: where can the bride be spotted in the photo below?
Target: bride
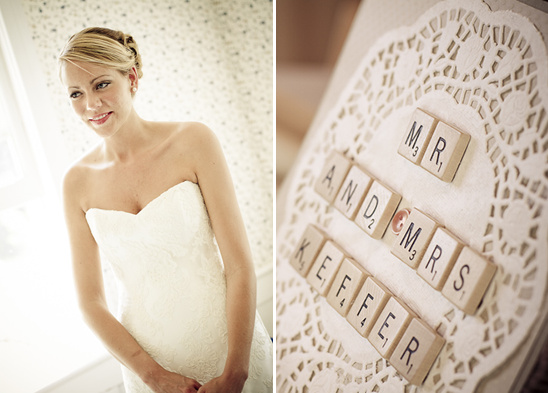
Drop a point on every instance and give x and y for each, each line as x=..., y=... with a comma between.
x=157, y=201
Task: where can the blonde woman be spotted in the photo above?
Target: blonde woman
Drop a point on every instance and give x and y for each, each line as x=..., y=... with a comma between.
x=157, y=200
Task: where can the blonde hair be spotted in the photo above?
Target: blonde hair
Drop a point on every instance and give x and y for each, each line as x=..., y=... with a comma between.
x=104, y=47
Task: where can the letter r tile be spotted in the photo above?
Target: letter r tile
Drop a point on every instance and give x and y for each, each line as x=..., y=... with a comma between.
x=332, y=175
x=468, y=280
x=439, y=258
x=445, y=151
x=414, y=237
x=347, y=283
x=389, y=327
x=307, y=249
x=417, y=135
x=416, y=351
x=377, y=209
x=325, y=267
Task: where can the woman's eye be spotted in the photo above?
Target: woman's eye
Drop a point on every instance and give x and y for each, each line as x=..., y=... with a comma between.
x=102, y=85
x=75, y=95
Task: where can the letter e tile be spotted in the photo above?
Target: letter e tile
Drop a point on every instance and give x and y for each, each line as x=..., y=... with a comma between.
x=325, y=267
x=416, y=351
x=445, y=151
x=332, y=175
x=468, y=280
x=347, y=283
x=417, y=135
x=377, y=209
x=351, y=194
x=413, y=239
x=439, y=258
x=367, y=306
x=308, y=247
x=389, y=327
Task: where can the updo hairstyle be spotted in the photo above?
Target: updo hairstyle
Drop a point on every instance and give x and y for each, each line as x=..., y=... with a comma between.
x=105, y=47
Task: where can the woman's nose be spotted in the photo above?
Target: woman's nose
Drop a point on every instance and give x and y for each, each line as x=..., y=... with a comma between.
x=93, y=102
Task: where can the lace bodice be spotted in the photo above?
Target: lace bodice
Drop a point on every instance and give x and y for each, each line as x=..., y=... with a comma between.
x=171, y=285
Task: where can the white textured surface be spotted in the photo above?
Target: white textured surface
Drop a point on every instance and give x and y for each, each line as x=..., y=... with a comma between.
x=485, y=73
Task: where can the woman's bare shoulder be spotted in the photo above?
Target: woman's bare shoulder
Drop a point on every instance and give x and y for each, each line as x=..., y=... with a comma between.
x=77, y=174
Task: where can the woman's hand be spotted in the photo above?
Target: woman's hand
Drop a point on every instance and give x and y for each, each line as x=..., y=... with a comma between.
x=168, y=382
x=224, y=384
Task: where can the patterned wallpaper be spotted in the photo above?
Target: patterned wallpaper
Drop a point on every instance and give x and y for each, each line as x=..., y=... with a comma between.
x=203, y=60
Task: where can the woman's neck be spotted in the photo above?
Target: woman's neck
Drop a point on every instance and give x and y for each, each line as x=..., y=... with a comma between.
x=130, y=141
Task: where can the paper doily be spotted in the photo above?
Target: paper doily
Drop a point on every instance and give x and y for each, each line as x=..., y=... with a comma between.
x=485, y=73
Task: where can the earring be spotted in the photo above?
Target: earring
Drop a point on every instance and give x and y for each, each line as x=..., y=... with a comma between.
x=134, y=89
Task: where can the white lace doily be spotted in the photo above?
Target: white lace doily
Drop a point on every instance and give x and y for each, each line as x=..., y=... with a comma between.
x=485, y=73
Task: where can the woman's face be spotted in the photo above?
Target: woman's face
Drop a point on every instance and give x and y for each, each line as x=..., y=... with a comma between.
x=101, y=97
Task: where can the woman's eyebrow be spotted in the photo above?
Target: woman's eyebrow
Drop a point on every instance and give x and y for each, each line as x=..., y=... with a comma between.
x=91, y=82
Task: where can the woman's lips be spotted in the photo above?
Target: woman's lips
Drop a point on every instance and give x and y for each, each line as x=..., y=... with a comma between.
x=100, y=119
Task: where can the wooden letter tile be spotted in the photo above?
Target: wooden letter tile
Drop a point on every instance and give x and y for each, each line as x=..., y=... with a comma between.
x=325, y=267
x=308, y=247
x=413, y=239
x=347, y=283
x=332, y=175
x=439, y=258
x=468, y=280
x=351, y=194
x=377, y=209
x=367, y=306
x=389, y=327
x=417, y=135
x=445, y=151
x=416, y=351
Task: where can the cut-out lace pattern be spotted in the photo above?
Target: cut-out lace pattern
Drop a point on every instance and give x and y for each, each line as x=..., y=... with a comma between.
x=172, y=289
x=483, y=72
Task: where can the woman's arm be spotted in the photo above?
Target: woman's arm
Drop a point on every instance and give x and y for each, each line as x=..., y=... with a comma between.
x=92, y=302
x=218, y=192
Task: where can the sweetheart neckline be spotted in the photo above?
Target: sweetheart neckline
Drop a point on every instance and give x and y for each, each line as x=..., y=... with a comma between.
x=147, y=205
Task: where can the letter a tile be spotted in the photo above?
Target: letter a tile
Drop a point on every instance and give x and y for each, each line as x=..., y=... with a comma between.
x=325, y=267
x=416, y=351
x=445, y=151
x=347, y=283
x=468, y=280
x=308, y=247
x=332, y=175
x=417, y=135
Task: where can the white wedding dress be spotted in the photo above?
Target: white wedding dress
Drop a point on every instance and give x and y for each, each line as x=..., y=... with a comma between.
x=172, y=289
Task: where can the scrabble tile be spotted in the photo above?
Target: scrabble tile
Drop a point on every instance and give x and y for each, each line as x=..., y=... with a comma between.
x=445, y=151
x=468, y=280
x=414, y=237
x=416, y=351
x=389, y=327
x=439, y=258
x=367, y=306
x=377, y=209
x=352, y=192
x=417, y=135
x=345, y=287
x=332, y=175
x=308, y=247
x=325, y=267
